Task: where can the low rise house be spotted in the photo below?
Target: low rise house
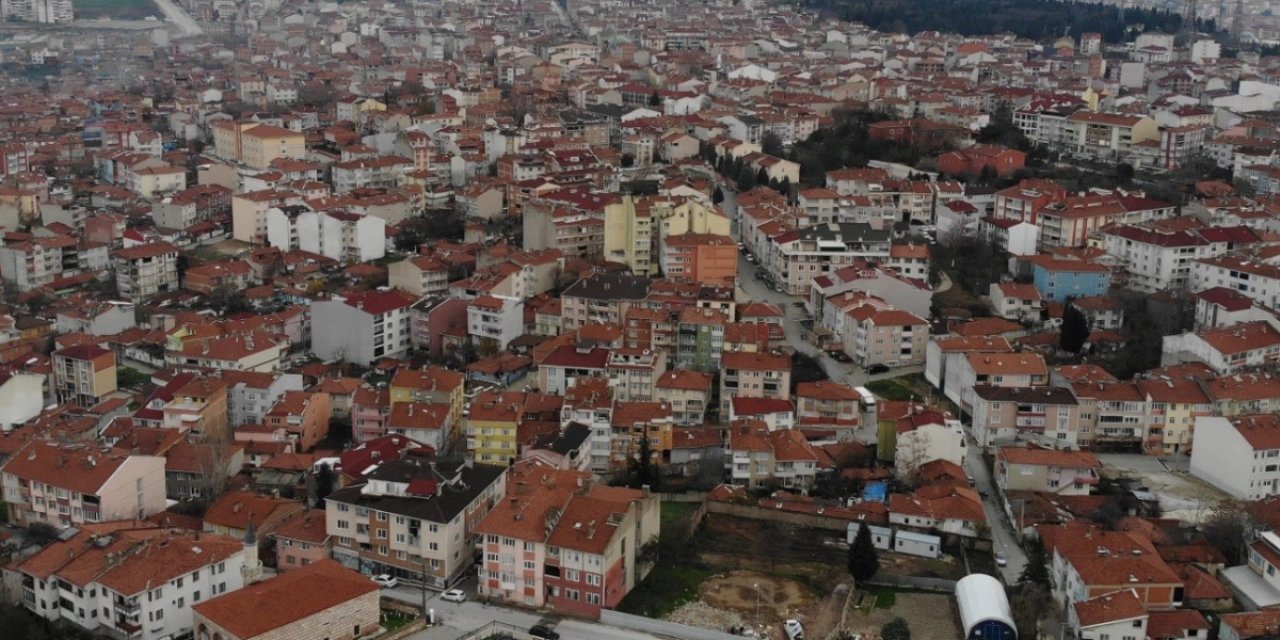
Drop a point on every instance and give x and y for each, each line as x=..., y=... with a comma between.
x=325, y=600
x=1067, y=473
x=1228, y=349
x=1119, y=614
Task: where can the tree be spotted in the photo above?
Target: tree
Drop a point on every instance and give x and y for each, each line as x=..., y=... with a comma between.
x=1124, y=173
x=864, y=560
x=1036, y=570
x=640, y=468
x=324, y=484
x=1030, y=603
x=805, y=368
x=1228, y=529
x=896, y=629
x=746, y=179
x=655, y=100
x=1075, y=329
x=771, y=144
x=128, y=378
x=214, y=459
x=717, y=196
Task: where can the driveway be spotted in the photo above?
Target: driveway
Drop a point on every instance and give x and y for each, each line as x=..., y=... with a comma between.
x=1002, y=538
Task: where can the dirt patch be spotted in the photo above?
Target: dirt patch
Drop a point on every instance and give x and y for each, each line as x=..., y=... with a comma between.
x=742, y=590
x=930, y=616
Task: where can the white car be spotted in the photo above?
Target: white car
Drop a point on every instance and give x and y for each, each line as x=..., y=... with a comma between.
x=1001, y=560
x=454, y=595
x=794, y=630
x=385, y=581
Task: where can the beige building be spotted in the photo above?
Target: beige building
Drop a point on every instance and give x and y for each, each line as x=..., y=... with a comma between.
x=69, y=485
x=420, y=275
x=414, y=518
x=249, y=212
x=688, y=392
x=1066, y=473
x=83, y=374
x=255, y=145
x=635, y=226
x=890, y=337
x=325, y=600
x=754, y=375
x=1049, y=415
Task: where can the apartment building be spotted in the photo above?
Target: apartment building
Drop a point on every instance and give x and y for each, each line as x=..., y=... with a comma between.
x=756, y=457
x=362, y=327
x=493, y=426
x=145, y=270
x=601, y=297
x=414, y=519
x=432, y=385
x=1226, y=350
x=1049, y=415
x=700, y=257
x=688, y=392
x=796, y=257
x=83, y=374
x=376, y=172
x=754, y=375
x=1088, y=561
x=885, y=336
x=199, y=408
x=634, y=373
x=1254, y=276
x=1016, y=301
x=700, y=338
x=421, y=276
x=304, y=415
x=560, y=541
x=249, y=212
x=495, y=320
x=344, y=236
x=256, y=145
x=41, y=261
x=995, y=369
x=129, y=580
x=72, y=484
x=1239, y=455
x=1055, y=471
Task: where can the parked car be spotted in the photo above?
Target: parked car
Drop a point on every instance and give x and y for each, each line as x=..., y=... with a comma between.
x=877, y=368
x=543, y=631
x=794, y=630
x=1001, y=560
x=454, y=595
x=385, y=581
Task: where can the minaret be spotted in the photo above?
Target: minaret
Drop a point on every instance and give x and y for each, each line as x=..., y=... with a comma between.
x=252, y=570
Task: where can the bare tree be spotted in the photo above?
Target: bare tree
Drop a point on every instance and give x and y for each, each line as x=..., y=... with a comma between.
x=214, y=459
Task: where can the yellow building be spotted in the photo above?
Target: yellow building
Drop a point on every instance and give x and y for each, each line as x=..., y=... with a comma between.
x=256, y=145
x=432, y=384
x=634, y=226
x=493, y=425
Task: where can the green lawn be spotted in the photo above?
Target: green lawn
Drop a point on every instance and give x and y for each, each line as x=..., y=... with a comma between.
x=678, y=574
x=122, y=9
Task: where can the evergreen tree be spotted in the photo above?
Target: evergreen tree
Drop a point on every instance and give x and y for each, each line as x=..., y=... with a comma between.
x=717, y=196
x=864, y=560
x=324, y=484
x=655, y=100
x=895, y=629
x=1075, y=329
x=1037, y=569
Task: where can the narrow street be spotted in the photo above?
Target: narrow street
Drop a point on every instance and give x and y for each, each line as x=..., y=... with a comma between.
x=173, y=13
x=1002, y=538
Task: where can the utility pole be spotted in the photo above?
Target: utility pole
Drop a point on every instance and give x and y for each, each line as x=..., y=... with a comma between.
x=424, y=590
x=757, y=587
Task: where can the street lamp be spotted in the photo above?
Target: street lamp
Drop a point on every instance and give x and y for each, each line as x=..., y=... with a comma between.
x=757, y=588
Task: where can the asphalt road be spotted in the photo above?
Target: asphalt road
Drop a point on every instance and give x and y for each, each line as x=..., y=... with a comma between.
x=453, y=620
x=1002, y=538
x=173, y=13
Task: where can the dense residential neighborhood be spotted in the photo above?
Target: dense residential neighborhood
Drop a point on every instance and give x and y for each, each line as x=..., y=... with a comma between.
x=598, y=320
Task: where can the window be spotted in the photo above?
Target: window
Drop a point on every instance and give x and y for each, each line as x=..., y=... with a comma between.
x=593, y=598
x=593, y=579
x=382, y=516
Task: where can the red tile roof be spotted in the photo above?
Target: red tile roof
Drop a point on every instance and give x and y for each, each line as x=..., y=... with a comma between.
x=257, y=609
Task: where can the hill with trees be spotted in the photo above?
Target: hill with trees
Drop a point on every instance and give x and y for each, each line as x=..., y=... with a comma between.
x=1032, y=19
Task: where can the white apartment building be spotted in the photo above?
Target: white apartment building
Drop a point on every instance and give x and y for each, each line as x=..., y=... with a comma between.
x=42, y=260
x=340, y=235
x=1239, y=455
x=1254, y=277
x=496, y=318
x=133, y=581
x=362, y=327
x=795, y=258
x=251, y=394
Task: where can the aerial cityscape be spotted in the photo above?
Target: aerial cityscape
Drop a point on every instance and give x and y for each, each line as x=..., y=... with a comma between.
x=633, y=319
